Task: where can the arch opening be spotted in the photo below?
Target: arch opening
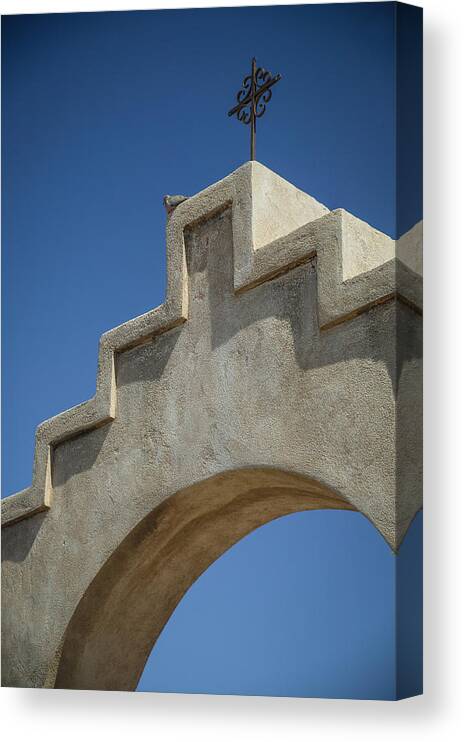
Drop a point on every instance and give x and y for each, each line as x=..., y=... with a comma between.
x=123, y=611
x=303, y=606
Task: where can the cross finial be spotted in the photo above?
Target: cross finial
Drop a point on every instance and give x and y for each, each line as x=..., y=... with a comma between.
x=252, y=99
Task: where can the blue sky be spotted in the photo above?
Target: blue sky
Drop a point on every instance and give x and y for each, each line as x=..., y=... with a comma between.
x=103, y=114
x=303, y=606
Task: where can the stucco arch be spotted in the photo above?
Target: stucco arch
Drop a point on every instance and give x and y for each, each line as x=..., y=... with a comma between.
x=126, y=606
x=289, y=341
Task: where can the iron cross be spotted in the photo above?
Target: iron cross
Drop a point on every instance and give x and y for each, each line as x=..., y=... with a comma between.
x=252, y=99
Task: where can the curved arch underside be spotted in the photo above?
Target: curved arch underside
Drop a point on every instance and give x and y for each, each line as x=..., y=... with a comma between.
x=125, y=608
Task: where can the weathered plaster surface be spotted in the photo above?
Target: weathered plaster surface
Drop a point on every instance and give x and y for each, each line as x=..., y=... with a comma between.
x=289, y=346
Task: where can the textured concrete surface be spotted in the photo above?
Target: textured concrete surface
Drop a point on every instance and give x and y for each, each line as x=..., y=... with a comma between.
x=282, y=373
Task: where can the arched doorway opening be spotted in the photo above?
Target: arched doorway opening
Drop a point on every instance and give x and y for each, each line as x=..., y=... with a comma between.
x=130, y=600
x=302, y=606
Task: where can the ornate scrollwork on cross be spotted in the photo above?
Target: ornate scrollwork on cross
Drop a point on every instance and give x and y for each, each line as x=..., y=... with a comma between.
x=253, y=98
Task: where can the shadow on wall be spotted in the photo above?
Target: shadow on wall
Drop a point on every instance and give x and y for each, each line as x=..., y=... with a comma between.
x=303, y=606
x=17, y=542
x=290, y=298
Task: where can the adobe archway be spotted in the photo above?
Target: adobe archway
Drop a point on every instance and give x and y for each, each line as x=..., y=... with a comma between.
x=290, y=341
x=124, y=609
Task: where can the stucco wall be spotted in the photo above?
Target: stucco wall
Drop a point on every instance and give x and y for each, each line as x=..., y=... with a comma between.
x=294, y=352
